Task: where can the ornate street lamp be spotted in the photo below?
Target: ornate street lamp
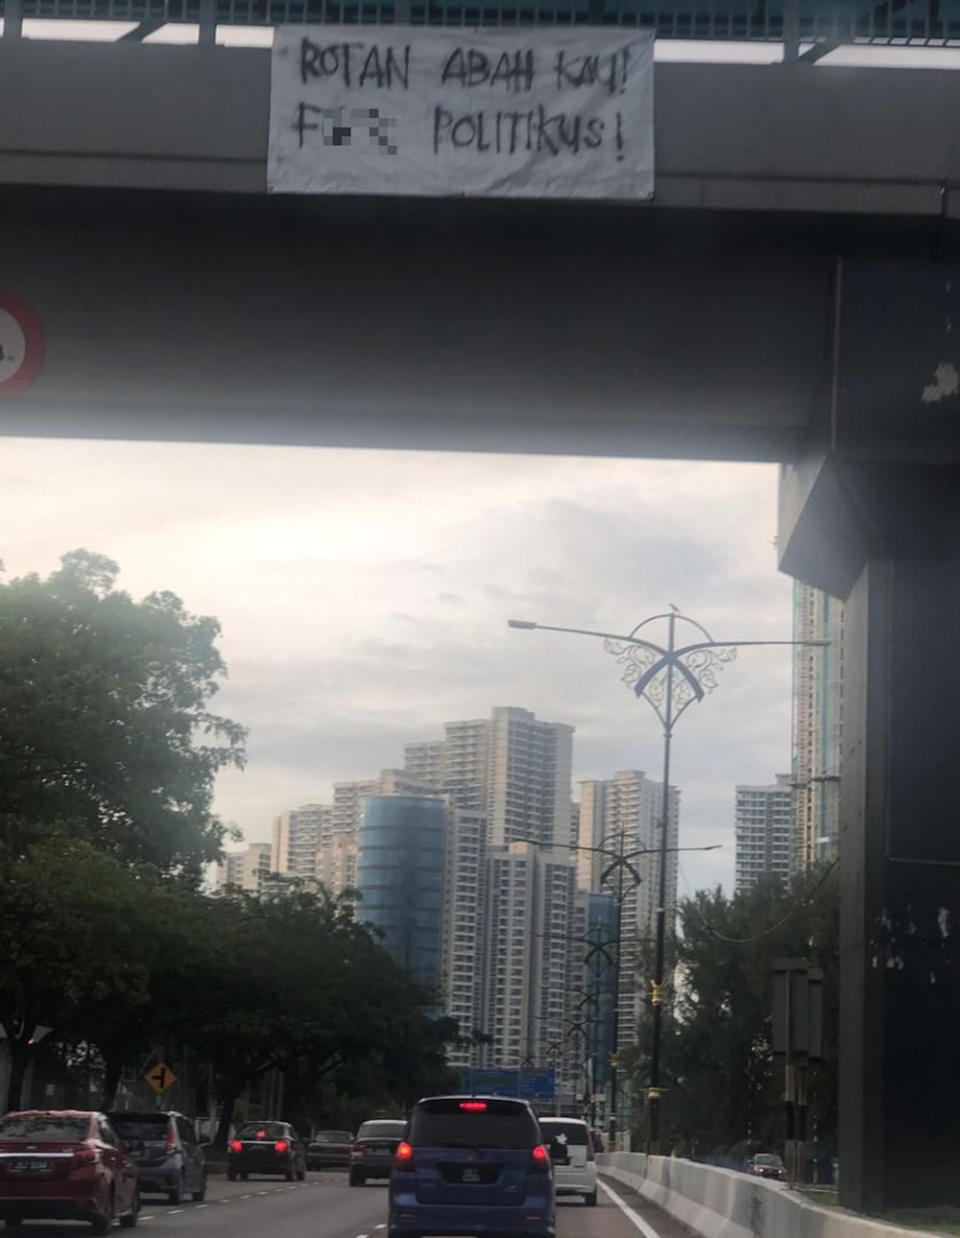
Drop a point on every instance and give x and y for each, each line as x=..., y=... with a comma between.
x=669, y=678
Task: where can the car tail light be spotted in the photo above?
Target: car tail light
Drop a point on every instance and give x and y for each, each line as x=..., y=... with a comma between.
x=474, y=1106
x=540, y=1160
x=84, y=1155
x=403, y=1157
x=281, y=1145
x=356, y=1149
x=171, y=1142
x=236, y=1145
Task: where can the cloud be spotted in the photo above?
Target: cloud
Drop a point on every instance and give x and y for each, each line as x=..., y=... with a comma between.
x=364, y=599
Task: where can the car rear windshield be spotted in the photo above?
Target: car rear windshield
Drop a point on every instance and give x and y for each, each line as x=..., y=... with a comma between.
x=140, y=1126
x=447, y=1124
x=574, y=1134
x=263, y=1130
x=45, y=1130
x=767, y=1158
x=332, y=1137
x=381, y=1130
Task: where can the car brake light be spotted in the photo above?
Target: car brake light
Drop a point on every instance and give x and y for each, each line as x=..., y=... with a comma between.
x=261, y=1134
x=236, y=1145
x=84, y=1155
x=540, y=1159
x=403, y=1157
x=474, y=1106
x=171, y=1142
x=356, y=1149
x=281, y=1145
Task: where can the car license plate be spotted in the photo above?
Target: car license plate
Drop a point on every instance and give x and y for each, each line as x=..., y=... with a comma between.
x=30, y=1165
x=471, y=1175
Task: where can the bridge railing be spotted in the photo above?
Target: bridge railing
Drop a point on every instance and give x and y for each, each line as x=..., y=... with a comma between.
x=823, y=23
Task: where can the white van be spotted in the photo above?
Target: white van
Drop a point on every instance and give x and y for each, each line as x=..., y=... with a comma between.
x=571, y=1150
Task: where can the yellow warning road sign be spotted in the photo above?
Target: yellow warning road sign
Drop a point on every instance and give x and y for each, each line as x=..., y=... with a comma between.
x=160, y=1077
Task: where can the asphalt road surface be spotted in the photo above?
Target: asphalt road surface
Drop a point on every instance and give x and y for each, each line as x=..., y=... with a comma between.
x=326, y=1207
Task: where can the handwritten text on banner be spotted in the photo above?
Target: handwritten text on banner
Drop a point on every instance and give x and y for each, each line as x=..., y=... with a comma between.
x=410, y=110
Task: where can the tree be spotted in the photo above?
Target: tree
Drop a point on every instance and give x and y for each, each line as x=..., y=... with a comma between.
x=105, y=729
x=75, y=939
x=723, y=1086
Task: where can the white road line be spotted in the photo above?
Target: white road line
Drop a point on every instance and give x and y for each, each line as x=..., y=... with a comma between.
x=172, y=1212
x=263, y=1192
x=199, y=1206
x=249, y=1196
x=230, y=1201
x=382, y=1225
x=628, y=1212
x=149, y=1218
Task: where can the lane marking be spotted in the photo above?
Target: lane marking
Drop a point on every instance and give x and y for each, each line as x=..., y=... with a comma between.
x=249, y=1196
x=263, y=1192
x=230, y=1201
x=172, y=1212
x=644, y=1228
x=149, y=1218
x=382, y=1225
x=199, y=1206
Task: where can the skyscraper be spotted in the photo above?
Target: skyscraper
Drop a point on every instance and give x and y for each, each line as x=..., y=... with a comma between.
x=529, y=919
x=817, y=726
x=624, y=812
x=512, y=768
x=297, y=834
x=244, y=870
x=464, y=927
x=764, y=833
x=401, y=861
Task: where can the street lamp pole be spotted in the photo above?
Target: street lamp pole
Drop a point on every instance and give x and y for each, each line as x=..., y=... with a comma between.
x=669, y=678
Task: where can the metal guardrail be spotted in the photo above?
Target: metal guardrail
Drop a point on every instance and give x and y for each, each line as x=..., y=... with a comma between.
x=793, y=22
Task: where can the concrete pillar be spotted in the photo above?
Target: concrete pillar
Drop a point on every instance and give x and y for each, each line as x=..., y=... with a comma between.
x=886, y=538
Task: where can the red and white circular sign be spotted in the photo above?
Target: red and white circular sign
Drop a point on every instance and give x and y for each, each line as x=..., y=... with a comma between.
x=21, y=345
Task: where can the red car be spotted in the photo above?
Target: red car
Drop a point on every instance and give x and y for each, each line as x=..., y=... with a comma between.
x=65, y=1165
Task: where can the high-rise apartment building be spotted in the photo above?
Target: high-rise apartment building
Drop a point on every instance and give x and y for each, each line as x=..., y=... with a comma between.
x=244, y=870
x=297, y=835
x=764, y=833
x=817, y=726
x=464, y=925
x=622, y=814
x=511, y=768
x=529, y=918
x=337, y=863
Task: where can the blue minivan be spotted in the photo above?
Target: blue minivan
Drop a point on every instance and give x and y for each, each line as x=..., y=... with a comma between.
x=472, y=1165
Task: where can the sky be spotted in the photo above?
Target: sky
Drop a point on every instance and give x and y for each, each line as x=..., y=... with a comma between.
x=364, y=598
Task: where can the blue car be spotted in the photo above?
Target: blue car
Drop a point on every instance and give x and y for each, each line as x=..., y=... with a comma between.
x=472, y=1165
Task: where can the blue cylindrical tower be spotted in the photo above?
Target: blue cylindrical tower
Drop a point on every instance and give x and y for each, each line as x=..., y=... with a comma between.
x=400, y=878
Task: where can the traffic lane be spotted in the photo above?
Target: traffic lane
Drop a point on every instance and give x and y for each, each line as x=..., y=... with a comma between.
x=637, y=1214
x=324, y=1206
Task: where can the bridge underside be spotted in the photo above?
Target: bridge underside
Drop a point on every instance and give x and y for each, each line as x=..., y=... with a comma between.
x=491, y=326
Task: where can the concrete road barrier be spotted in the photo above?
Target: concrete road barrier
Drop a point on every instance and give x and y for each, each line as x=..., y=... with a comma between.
x=721, y=1203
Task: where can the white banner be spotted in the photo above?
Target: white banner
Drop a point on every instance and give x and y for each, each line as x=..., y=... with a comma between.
x=532, y=113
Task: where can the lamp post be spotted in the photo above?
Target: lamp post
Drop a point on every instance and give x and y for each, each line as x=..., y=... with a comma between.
x=669, y=678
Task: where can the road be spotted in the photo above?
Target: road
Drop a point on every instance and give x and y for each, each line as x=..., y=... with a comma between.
x=326, y=1207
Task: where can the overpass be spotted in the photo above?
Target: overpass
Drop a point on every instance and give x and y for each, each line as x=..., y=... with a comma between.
x=789, y=295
